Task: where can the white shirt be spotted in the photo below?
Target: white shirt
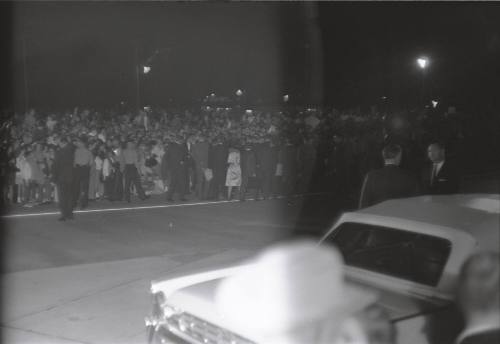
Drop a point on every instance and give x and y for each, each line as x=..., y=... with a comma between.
x=438, y=166
x=106, y=167
x=98, y=163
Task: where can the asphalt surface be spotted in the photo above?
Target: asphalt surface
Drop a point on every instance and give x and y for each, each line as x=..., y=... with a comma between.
x=34, y=239
x=69, y=282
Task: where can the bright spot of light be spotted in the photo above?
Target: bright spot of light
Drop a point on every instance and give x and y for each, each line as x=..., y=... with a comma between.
x=286, y=98
x=146, y=69
x=423, y=62
x=434, y=103
x=239, y=92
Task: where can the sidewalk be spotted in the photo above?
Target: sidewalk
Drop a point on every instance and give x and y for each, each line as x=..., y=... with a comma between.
x=92, y=303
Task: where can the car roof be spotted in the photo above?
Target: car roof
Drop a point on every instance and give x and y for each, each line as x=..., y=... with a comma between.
x=475, y=214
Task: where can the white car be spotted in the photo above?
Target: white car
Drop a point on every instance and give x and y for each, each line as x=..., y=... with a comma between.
x=408, y=252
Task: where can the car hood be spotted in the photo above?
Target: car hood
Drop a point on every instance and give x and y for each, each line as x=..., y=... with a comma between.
x=198, y=299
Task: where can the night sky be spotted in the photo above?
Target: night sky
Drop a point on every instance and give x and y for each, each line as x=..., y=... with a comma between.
x=342, y=54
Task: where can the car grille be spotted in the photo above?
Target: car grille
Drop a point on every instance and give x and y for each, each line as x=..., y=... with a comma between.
x=196, y=330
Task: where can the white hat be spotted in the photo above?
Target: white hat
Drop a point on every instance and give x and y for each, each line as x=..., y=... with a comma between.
x=288, y=285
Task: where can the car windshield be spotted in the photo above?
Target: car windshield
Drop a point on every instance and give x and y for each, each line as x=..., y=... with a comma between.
x=411, y=256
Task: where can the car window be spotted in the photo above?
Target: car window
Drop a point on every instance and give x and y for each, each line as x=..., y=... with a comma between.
x=411, y=256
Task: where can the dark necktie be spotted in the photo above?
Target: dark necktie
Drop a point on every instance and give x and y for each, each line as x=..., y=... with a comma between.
x=434, y=173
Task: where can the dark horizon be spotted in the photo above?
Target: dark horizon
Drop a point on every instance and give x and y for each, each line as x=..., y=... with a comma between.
x=343, y=54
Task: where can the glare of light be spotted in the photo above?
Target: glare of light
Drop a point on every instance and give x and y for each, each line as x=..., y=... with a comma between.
x=212, y=94
x=423, y=62
x=384, y=97
x=146, y=69
x=239, y=92
x=248, y=111
x=434, y=103
x=286, y=98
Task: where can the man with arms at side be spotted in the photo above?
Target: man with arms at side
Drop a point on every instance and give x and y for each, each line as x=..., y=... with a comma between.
x=441, y=176
x=479, y=298
x=129, y=165
x=388, y=182
x=176, y=162
x=63, y=176
x=199, y=152
x=83, y=160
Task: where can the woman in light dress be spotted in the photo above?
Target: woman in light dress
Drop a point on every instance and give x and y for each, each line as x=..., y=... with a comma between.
x=233, y=176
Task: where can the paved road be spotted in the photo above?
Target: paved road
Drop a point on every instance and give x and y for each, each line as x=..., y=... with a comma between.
x=86, y=281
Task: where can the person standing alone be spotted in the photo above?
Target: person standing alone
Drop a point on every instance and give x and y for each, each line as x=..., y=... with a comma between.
x=441, y=176
x=63, y=176
x=129, y=165
x=83, y=160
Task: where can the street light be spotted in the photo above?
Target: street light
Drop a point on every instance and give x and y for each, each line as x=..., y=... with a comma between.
x=239, y=92
x=423, y=63
x=145, y=66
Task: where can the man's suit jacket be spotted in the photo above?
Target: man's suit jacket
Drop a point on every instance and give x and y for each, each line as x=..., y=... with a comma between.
x=199, y=152
x=217, y=161
x=176, y=156
x=487, y=337
x=387, y=183
x=62, y=168
x=445, y=182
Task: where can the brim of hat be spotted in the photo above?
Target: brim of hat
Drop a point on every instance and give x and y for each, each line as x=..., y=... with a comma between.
x=342, y=305
x=353, y=301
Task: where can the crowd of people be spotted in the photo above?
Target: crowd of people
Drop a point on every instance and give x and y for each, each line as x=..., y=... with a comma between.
x=213, y=152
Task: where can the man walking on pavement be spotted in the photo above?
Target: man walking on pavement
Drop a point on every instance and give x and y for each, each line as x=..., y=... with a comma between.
x=63, y=175
x=129, y=165
x=83, y=160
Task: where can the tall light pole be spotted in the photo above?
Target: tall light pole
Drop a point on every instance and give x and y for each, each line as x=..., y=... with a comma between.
x=137, y=80
x=25, y=77
x=143, y=68
x=423, y=63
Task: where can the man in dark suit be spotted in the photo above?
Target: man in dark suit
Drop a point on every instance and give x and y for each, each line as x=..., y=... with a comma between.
x=199, y=152
x=441, y=176
x=479, y=299
x=288, y=155
x=176, y=158
x=266, y=157
x=63, y=175
x=217, y=162
x=249, y=171
x=388, y=182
